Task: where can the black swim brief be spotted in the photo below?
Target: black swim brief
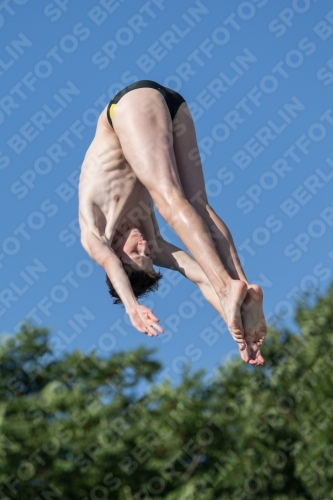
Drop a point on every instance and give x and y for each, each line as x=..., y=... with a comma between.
x=172, y=98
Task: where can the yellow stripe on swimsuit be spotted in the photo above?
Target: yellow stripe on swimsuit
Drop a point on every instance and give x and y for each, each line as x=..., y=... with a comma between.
x=111, y=110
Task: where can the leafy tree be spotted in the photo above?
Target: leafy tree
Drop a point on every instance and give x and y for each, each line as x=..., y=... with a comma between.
x=71, y=427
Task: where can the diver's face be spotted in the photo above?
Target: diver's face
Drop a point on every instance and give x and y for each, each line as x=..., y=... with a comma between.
x=133, y=250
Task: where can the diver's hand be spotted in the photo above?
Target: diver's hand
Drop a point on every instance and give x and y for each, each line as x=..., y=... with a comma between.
x=144, y=320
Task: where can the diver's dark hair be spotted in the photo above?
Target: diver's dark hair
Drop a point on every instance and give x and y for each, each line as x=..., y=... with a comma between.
x=142, y=282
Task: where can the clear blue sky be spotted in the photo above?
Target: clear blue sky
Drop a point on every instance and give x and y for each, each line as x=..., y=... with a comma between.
x=265, y=139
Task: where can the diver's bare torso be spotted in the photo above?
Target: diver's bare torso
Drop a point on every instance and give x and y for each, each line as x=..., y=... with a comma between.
x=111, y=198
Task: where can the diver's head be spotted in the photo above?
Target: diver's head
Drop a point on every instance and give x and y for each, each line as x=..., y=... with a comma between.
x=133, y=251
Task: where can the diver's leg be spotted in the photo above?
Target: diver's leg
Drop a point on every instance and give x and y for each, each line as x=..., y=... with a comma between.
x=143, y=124
x=192, y=180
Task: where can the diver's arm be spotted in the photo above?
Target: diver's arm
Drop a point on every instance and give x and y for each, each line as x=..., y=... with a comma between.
x=108, y=260
x=141, y=317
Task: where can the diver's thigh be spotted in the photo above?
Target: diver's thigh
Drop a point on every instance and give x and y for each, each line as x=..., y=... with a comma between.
x=188, y=158
x=143, y=125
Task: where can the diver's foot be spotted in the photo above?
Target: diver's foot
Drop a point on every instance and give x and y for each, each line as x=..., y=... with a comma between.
x=231, y=302
x=255, y=329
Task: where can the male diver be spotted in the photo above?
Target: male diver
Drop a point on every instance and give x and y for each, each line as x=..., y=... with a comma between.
x=145, y=151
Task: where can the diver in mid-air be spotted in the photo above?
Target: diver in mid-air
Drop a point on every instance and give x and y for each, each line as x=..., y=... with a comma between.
x=145, y=150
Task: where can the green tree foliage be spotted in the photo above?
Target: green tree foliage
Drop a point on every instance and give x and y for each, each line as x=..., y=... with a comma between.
x=72, y=428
